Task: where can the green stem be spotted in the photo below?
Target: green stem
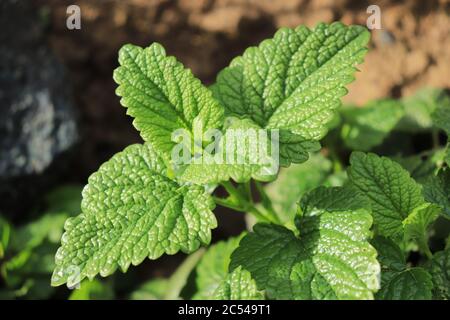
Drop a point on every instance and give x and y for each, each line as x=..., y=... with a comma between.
x=267, y=203
x=249, y=208
x=228, y=204
x=234, y=192
x=259, y=215
x=423, y=245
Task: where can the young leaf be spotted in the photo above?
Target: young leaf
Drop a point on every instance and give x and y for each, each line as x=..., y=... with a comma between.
x=440, y=273
x=234, y=158
x=366, y=127
x=132, y=210
x=331, y=259
x=238, y=285
x=437, y=190
x=410, y=284
x=295, y=181
x=163, y=96
x=392, y=192
x=416, y=225
x=293, y=81
x=213, y=267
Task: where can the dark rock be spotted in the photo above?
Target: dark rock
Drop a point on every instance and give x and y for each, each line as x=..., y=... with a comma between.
x=37, y=120
x=37, y=124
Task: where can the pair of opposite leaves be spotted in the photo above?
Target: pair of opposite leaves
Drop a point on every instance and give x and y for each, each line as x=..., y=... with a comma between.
x=133, y=207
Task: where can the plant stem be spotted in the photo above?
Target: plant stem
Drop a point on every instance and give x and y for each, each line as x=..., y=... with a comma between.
x=241, y=200
x=227, y=204
x=423, y=245
x=234, y=192
x=267, y=203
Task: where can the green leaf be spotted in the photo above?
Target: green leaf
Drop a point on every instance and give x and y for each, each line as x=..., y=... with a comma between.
x=366, y=127
x=440, y=273
x=416, y=225
x=294, y=148
x=234, y=158
x=410, y=284
x=331, y=259
x=390, y=256
x=212, y=269
x=295, y=80
x=92, y=290
x=238, y=285
x=392, y=192
x=437, y=190
x=162, y=96
x=132, y=210
x=151, y=290
x=295, y=181
x=418, y=110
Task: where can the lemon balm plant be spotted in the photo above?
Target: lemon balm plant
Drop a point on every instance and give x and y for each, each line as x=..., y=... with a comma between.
x=338, y=242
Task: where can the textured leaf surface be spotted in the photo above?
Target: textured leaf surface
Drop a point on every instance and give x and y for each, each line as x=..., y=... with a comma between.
x=440, y=273
x=391, y=190
x=131, y=211
x=238, y=156
x=331, y=259
x=162, y=96
x=437, y=190
x=410, y=284
x=296, y=180
x=366, y=127
x=213, y=268
x=238, y=285
x=293, y=81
